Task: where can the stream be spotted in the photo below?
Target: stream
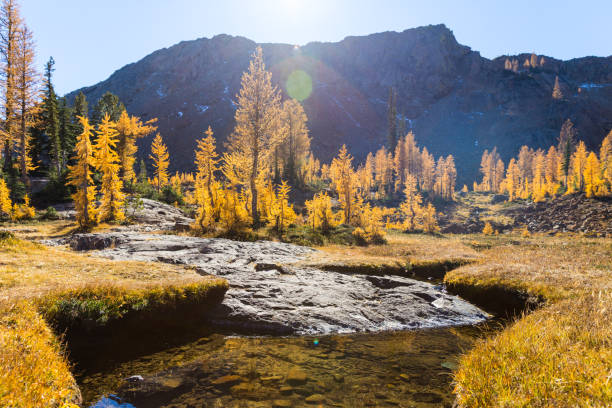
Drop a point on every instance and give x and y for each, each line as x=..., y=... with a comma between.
x=402, y=368
x=313, y=337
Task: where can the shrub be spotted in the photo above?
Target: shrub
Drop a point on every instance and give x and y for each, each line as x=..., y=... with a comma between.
x=50, y=214
x=488, y=229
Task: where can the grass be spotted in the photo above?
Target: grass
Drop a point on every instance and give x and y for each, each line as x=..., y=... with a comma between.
x=43, y=287
x=404, y=254
x=34, y=372
x=560, y=355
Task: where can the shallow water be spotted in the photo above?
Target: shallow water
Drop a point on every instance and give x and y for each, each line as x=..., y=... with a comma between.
x=405, y=369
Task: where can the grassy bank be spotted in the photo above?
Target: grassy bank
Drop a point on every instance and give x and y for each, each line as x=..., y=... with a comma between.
x=559, y=355
x=42, y=287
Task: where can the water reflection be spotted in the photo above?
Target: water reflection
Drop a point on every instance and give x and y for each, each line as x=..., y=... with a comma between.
x=405, y=369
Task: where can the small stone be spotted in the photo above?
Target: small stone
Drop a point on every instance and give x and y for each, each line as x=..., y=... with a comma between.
x=315, y=399
x=227, y=380
x=135, y=378
x=286, y=390
x=272, y=378
x=295, y=376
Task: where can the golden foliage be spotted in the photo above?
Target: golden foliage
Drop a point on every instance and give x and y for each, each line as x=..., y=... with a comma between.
x=107, y=163
x=257, y=132
x=6, y=206
x=320, y=213
x=129, y=129
x=161, y=161
x=80, y=177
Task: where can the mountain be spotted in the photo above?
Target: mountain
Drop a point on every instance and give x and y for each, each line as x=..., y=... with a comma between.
x=456, y=101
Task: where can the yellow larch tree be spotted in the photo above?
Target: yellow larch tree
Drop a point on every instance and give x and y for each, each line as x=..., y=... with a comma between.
x=446, y=175
x=80, y=177
x=107, y=163
x=605, y=160
x=410, y=208
x=343, y=180
x=281, y=213
x=578, y=163
x=161, y=162
x=6, y=206
x=429, y=223
x=129, y=129
x=27, y=98
x=257, y=124
x=383, y=164
x=295, y=146
x=538, y=184
x=552, y=171
x=320, y=213
x=10, y=24
x=206, y=162
x=428, y=170
x=593, y=183
x=312, y=169
x=512, y=183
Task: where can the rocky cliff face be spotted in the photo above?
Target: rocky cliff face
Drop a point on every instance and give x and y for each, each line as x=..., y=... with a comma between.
x=455, y=101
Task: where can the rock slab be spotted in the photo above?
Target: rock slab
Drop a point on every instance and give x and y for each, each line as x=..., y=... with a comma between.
x=270, y=294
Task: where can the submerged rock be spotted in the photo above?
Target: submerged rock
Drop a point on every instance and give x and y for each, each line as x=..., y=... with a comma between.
x=270, y=294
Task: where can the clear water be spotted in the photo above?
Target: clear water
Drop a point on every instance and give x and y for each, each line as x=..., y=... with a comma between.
x=395, y=369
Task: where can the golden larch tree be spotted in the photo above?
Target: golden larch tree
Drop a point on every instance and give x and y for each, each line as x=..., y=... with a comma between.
x=343, y=180
x=295, y=146
x=6, y=206
x=605, y=160
x=593, y=183
x=107, y=163
x=130, y=129
x=161, y=162
x=80, y=177
x=27, y=98
x=10, y=24
x=410, y=208
x=578, y=163
x=206, y=165
x=255, y=135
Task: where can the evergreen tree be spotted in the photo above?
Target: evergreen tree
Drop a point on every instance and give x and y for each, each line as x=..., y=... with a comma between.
x=79, y=109
x=67, y=134
x=566, y=147
x=51, y=120
x=392, y=120
x=142, y=171
x=109, y=104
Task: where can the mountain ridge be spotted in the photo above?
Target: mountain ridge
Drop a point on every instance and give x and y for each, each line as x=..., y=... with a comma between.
x=456, y=101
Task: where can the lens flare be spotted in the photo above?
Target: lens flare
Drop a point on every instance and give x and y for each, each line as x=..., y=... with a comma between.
x=316, y=342
x=299, y=85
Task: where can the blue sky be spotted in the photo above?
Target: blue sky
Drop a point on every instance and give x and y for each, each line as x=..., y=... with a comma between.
x=90, y=39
